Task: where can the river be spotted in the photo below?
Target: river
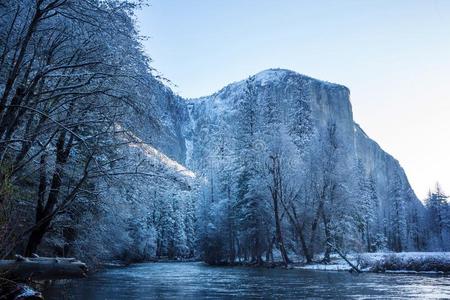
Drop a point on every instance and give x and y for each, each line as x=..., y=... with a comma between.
x=199, y=281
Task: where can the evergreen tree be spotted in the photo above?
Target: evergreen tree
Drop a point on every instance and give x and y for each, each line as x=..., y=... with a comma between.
x=249, y=198
x=438, y=216
x=366, y=208
x=397, y=216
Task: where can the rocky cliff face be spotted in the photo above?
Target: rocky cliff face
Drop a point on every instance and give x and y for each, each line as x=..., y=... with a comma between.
x=158, y=119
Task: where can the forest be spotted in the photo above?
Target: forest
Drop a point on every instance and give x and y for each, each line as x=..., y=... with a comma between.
x=100, y=160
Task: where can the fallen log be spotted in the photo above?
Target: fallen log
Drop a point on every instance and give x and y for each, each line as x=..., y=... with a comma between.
x=42, y=268
x=355, y=268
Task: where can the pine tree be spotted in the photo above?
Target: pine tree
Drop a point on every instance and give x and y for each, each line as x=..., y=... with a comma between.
x=397, y=230
x=438, y=215
x=366, y=208
x=250, y=200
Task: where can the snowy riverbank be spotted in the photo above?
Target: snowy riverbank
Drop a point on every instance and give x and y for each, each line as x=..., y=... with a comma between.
x=408, y=262
x=405, y=262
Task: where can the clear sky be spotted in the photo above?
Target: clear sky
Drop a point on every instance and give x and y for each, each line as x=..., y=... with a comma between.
x=393, y=55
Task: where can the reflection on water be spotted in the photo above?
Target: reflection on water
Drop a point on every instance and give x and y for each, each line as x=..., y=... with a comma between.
x=199, y=281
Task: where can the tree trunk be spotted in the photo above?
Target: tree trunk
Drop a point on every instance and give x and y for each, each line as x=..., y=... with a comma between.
x=316, y=220
x=306, y=252
x=35, y=238
x=326, y=224
x=277, y=193
x=298, y=230
x=44, y=216
x=279, y=237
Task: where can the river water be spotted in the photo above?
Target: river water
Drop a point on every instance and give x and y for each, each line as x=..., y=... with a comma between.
x=199, y=281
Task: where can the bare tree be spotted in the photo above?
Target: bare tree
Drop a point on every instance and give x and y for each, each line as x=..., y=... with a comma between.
x=276, y=191
x=72, y=69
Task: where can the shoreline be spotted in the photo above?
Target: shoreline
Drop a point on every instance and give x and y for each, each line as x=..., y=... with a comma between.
x=390, y=263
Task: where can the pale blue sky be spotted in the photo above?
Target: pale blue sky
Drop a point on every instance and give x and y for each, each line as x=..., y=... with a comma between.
x=393, y=55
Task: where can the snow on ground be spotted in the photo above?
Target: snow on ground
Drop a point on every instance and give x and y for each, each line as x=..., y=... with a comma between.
x=335, y=265
x=426, y=262
x=405, y=261
x=405, y=256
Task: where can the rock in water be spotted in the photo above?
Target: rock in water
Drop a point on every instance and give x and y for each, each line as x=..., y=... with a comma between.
x=10, y=290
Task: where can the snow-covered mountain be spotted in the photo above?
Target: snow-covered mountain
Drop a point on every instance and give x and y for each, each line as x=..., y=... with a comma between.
x=186, y=122
x=308, y=121
x=330, y=103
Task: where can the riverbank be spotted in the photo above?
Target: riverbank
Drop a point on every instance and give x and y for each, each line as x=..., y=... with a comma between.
x=405, y=262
